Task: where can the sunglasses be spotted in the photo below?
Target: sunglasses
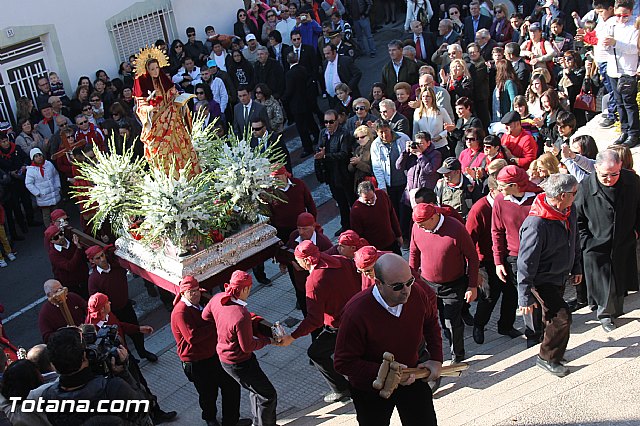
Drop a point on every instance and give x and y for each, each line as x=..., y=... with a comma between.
x=178, y=45
x=470, y=139
x=191, y=35
x=361, y=137
x=329, y=121
x=80, y=123
x=95, y=100
x=200, y=93
x=622, y=15
x=257, y=129
x=360, y=108
x=400, y=286
x=86, y=109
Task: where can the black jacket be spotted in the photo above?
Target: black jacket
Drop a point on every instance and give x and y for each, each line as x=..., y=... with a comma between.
x=279, y=148
x=349, y=74
x=469, y=33
x=297, y=90
x=271, y=74
x=337, y=155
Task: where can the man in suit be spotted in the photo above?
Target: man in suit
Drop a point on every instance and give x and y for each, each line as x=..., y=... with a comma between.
x=485, y=43
x=245, y=111
x=398, y=122
x=398, y=69
x=474, y=22
x=297, y=100
x=270, y=72
x=278, y=50
x=305, y=54
x=447, y=37
x=339, y=69
x=425, y=42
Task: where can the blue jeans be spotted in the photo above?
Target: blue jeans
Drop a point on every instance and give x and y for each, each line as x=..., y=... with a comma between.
x=362, y=28
x=606, y=80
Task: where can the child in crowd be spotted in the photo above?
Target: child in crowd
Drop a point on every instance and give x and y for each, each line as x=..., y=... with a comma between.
x=57, y=87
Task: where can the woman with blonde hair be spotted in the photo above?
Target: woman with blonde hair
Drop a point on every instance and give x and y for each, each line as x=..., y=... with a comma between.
x=428, y=117
x=360, y=164
x=458, y=82
x=546, y=165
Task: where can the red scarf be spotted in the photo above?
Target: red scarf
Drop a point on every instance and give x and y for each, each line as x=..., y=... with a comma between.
x=7, y=155
x=40, y=166
x=542, y=209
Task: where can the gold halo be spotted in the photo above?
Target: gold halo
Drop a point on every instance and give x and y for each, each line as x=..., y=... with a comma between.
x=147, y=54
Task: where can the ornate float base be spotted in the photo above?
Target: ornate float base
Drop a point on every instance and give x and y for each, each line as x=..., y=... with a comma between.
x=204, y=264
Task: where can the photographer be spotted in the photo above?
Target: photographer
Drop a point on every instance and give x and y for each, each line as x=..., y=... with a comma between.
x=78, y=382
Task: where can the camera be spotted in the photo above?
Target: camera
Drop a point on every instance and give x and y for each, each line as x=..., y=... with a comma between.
x=414, y=145
x=303, y=17
x=548, y=142
x=101, y=346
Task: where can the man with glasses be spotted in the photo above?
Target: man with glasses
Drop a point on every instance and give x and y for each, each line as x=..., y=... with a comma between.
x=68, y=262
x=263, y=139
x=510, y=208
x=398, y=122
x=195, y=48
x=371, y=325
x=90, y=133
x=51, y=316
x=436, y=236
x=549, y=256
x=325, y=305
x=608, y=208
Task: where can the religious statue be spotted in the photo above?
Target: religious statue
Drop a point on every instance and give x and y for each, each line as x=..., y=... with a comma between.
x=163, y=115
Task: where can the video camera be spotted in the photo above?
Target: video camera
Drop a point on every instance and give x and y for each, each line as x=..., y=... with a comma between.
x=101, y=346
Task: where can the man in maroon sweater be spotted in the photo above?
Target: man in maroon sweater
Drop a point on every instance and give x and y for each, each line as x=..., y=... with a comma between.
x=370, y=326
x=68, y=262
x=109, y=278
x=443, y=251
x=332, y=281
x=348, y=243
x=297, y=199
x=510, y=208
x=237, y=344
x=196, y=339
x=479, y=227
x=374, y=219
x=51, y=317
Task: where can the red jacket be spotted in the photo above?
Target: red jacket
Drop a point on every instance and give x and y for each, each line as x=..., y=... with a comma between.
x=522, y=146
x=506, y=220
x=195, y=337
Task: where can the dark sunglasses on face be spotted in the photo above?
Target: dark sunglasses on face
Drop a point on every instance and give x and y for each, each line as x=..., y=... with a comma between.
x=257, y=129
x=200, y=93
x=400, y=286
x=86, y=109
x=329, y=121
x=360, y=108
x=470, y=139
x=80, y=123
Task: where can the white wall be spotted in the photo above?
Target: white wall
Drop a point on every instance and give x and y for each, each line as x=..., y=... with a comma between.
x=83, y=36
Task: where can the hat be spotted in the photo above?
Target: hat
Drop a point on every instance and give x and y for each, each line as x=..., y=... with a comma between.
x=366, y=257
x=423, y=211
x=492, y=141
x=514, y=174
x=43, y=105
x=186, y=283
x=349, y=238
x=51, y=231
x=511, y=117
x=236, y=40
x=57, y=214
x=449, y=164
x=306, y=219
x=249, y=37
x=93, y=251
x=280, y=171
x=535, y=27
x=33, y=153
x=334, y=33
x=239, y=280
x=307, y=250
x=97, y=301
x=212, y=63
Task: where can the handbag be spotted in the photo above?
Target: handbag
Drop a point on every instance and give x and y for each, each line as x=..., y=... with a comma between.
x=585, y=101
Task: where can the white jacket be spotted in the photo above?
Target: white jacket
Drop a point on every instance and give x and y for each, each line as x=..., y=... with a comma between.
x=45, y=188
x=412, y=11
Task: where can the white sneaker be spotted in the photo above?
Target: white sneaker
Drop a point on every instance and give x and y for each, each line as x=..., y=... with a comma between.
x=3, y=263
x=11, y=256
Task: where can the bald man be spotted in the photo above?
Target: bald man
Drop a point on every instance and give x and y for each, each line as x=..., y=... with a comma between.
x=51, y=318
x=369, y=327
x=40, y=357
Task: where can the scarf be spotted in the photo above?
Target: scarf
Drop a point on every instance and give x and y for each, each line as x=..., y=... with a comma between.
x=7, y=154
x=40, y=166
x=542, y=209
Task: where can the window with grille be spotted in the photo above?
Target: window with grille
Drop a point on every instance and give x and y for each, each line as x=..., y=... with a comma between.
x=132, y=31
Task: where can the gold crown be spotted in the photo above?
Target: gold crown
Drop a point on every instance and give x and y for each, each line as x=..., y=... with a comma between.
x=147, y=54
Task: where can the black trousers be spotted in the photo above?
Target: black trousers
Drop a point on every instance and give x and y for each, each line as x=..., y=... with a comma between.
x=556, y=316
x=345, y=199
x=414, y=404
x=488, y=299
x=321, y=353
x=625, y=90
x=208, y=376
x=128, y=314
x=262, y=395
x=450, y=302
x=306, y=127
x=395, y=195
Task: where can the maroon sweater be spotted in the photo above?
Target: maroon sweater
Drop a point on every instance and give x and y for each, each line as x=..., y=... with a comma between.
x=378, y=224
x=236, y=342
x=506, y=221
x=329, y=287
x=479, y=227
x=445, y=256
x=368, y=330
x=298, y=200
x=69, y=266
x=51, y=319
x=195, y=337
x=322, y=242
x=113, y=283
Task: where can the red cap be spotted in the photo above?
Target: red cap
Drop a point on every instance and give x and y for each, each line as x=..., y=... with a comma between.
x=307, y=250
x=239, y=280
x=52, y=230
x=97, y=301
x=306, y=219
x=423, y=211
x=366, y=257
x=57, y=214
x=517, y=175
x=349, y=238
x=186, y=283
x=280, y=171
x=93, y=251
